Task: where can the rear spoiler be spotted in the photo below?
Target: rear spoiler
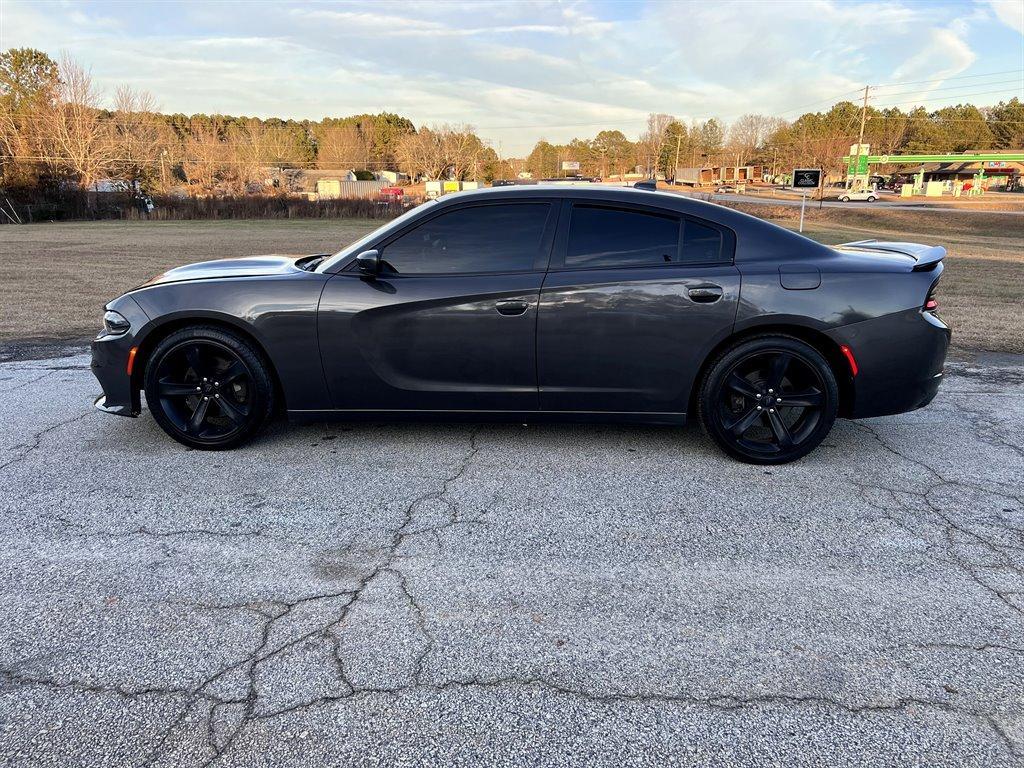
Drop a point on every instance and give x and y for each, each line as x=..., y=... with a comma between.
x=924, y=256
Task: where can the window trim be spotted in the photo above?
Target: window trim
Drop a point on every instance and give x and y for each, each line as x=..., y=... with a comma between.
x=540, y=263
x=727, y=253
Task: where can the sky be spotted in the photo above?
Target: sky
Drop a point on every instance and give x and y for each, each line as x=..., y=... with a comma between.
x=519, y=71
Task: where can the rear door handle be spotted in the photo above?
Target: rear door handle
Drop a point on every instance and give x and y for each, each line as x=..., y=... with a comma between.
x=512, y=307
x=706, y=294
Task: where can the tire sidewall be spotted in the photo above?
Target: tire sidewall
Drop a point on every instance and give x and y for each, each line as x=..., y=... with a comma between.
x=263, y=387
x=713, y=382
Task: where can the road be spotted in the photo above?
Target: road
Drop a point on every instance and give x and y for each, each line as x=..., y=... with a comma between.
x=886, y=200
x=466, y=595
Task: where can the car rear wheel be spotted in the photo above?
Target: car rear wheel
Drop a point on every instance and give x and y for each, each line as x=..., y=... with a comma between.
x=845, y=198
x=768, y=400
x=208, y=388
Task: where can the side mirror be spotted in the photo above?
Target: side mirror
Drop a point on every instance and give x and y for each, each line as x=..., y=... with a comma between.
x=369, y=262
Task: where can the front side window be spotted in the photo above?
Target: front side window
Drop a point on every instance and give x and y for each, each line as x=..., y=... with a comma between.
x=611, y=237
x=486, y=238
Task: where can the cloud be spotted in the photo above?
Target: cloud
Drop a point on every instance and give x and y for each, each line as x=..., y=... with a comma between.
x=1010, y=12
x=518, y=70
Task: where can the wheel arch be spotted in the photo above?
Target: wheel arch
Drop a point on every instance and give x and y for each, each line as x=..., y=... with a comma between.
x=171, y=323
x=828, y=348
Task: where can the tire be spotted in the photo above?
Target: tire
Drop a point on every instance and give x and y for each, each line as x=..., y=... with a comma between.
x=209, y=388
x=845, y=199
x=871, y=198
x=740, y=408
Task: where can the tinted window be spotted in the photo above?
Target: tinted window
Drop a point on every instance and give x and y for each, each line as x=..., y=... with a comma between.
x=701, y=243
x=490, y=238
x=607, y=237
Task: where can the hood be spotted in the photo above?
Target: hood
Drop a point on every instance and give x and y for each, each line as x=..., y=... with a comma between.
x=246, y=266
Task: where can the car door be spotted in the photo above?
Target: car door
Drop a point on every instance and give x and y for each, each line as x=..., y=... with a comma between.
x=635, y=298
x=450, y=322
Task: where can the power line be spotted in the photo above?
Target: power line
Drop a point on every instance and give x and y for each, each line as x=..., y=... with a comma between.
x=944, y=79
x=955, y=87
x=921, y=102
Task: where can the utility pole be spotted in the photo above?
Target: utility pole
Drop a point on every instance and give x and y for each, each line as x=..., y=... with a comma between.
x=675, y=170
x=860, y=138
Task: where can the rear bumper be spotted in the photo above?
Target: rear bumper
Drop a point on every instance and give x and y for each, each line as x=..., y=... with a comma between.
x=900, y=358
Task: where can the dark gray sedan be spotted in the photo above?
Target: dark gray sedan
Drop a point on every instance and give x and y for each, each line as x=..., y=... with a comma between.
x=540, y=303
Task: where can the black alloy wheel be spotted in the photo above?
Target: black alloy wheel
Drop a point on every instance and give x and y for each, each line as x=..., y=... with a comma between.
x=208, y=388
x=769, y=400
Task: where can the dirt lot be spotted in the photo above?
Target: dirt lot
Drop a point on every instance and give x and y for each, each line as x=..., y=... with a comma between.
x=54, y=278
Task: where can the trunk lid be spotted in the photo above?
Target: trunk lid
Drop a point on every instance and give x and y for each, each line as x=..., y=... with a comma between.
x=925, y=257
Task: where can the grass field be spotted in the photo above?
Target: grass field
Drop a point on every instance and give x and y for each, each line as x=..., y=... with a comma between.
x=55, y=278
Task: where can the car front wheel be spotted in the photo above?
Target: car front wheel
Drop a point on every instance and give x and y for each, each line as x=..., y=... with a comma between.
x=768, y=400
x=208, y=388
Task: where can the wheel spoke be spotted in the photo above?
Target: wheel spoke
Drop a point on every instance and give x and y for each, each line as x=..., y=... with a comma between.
x=176, y=388
x=194, y=358
x=737, y=383
x=744, y=422
x=780, y=430
x=198, y=416
x=778, y=370
x=810, y=398
x=232, y=372
x=237, y=413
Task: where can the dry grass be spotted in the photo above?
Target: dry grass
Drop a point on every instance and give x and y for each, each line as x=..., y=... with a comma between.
x=54, y=278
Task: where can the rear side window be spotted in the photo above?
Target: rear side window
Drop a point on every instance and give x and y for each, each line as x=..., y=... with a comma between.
x=610, y=237
x=486, y=238
x=700, y=242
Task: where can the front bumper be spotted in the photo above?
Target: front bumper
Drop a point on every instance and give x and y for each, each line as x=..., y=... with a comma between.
x=900, y=359
x=109, y=365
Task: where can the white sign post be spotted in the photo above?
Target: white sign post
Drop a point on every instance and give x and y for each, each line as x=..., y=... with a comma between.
x=804, y=179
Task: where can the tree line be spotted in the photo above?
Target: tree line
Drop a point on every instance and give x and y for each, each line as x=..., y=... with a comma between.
x=55, y=132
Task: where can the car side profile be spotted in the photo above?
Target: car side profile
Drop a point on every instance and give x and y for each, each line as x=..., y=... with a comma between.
x=539, y=303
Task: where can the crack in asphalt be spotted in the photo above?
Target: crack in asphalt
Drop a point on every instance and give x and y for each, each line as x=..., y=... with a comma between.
x=37, y=438
x=279, y=628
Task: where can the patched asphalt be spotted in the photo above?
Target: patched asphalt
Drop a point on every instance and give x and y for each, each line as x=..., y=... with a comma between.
x=425, y=594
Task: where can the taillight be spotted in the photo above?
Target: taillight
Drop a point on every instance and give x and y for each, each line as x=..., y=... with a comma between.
x=931, y=304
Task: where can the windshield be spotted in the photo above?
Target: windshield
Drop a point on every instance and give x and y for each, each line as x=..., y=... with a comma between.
x=361, y=243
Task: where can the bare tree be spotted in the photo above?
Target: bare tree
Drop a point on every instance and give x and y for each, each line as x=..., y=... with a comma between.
x=749, y=133
x=652, y=139
x=138, y=141
x=422, y=154
x=74, y=136
x=462, y=149
x=340, y=146
x=205, y=157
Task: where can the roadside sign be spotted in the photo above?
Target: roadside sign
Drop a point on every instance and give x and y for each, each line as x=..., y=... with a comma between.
x=570, y=165
x=806, y=178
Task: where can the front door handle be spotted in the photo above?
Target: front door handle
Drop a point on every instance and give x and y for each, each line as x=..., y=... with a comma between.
x=706, y=294
x=512, y=307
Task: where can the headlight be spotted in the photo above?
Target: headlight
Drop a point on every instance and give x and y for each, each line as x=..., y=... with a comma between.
x=115, y=323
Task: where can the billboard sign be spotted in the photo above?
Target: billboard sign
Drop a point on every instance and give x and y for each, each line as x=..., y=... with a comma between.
x=806, y=178
x=570, y=165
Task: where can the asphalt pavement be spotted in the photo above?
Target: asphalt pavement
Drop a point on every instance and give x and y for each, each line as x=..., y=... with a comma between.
x=424, y=594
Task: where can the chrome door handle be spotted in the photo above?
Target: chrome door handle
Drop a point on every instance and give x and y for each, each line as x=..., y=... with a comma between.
x=512, y=307
x=706, y=294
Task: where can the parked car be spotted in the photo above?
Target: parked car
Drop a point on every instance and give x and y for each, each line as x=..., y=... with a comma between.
x=537, y=304
x=868, y=195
